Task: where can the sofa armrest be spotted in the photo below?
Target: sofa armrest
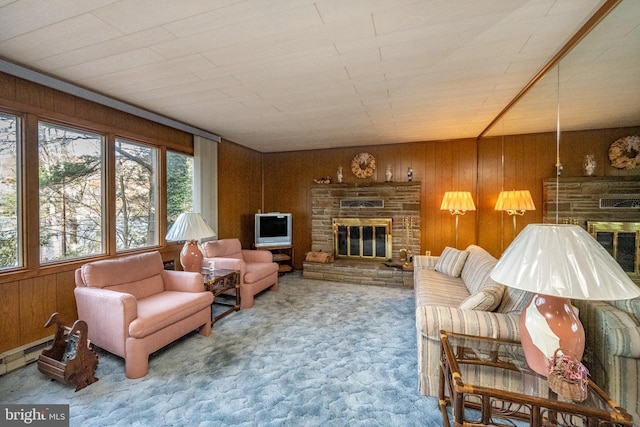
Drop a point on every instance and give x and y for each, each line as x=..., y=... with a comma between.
x=257, y=255
x=425, y=261
x=182, y=281
x=108, y=315
x=431, y=319
x=620, y=331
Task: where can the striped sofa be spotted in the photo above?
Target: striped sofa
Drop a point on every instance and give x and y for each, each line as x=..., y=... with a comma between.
x=612, y=333
x=454, y=293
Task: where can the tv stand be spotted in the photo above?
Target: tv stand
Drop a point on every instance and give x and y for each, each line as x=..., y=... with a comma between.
x=283, y=256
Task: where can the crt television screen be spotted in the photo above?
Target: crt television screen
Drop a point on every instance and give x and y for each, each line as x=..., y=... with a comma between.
x=273, y=226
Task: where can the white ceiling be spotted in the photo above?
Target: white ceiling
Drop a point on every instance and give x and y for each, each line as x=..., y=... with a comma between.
x=284, y=75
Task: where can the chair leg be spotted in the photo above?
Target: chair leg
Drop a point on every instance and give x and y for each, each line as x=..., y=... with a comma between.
x=136, y=365
x=205, y=330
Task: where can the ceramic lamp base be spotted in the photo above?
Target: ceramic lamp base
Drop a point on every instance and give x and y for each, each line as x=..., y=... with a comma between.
x=546, y=324
x=191, y=256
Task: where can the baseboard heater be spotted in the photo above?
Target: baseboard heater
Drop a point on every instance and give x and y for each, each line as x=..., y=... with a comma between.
x=22, y=356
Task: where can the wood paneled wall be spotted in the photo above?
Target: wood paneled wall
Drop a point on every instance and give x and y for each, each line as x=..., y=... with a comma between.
x=468, y=165
x=29, y=296
x=439, y=165
x=239, y=191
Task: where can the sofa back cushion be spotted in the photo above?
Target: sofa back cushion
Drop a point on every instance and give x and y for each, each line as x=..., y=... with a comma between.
x=451, y=261
x=225, y=248
x=138, y=275
x=477, y=268
x=514, y=300
x=629, y=306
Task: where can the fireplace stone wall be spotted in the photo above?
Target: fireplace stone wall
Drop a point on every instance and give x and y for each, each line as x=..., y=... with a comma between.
x=400, y=202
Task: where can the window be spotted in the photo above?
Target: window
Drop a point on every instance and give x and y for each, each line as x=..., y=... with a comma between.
x=179, y=185
x=136, y=195
x=9, y=193
x=71, y=193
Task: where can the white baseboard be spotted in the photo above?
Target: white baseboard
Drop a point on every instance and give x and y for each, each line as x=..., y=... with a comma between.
x=18, y=357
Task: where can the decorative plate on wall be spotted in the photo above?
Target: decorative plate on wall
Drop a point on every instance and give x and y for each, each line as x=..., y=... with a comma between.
x=363, y=165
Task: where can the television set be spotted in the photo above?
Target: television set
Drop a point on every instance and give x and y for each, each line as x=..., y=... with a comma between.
x=273, y=229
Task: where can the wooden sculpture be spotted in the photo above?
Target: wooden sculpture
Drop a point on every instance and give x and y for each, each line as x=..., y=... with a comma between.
x=69, y=360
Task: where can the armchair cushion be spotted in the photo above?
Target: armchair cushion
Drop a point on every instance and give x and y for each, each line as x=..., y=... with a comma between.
x=158, y=311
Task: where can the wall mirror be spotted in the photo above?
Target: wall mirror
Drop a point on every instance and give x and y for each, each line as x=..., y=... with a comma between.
x=593, y=86
x=596, y=85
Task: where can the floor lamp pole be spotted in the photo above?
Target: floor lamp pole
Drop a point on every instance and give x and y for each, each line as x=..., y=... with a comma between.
x=457, y=216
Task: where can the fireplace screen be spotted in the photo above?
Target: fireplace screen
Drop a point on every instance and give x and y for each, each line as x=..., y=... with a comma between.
x=362, y=238
x=621, y=240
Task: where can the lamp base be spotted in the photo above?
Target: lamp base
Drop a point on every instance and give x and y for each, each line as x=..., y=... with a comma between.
x=546, y=324
x=191, y=256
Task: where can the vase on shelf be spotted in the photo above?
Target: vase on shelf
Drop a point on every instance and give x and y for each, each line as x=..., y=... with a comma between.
x=589, y=165
x=389, y=174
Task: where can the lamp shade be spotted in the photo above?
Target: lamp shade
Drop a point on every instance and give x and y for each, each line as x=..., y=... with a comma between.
x=563, y=260
x=189, y=226
x=515, y=201
x=457, y=201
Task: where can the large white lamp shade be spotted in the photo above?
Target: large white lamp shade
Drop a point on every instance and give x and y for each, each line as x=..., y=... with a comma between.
x=190, y=227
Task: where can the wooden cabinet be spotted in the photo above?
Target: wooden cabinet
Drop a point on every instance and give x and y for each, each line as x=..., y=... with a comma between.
x=283, y=255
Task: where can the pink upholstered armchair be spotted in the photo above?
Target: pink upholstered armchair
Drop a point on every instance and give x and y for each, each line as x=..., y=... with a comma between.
x=134, y=307
x=257, y=269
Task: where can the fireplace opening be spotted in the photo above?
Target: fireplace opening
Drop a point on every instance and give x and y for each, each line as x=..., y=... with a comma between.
x=362, y=238
x=621, y=240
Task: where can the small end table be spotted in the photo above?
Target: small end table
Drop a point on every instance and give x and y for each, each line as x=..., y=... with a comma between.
x=218, y=281
x=492, y=377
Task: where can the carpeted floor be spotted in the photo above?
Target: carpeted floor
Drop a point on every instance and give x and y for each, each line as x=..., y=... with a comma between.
x=314, y=353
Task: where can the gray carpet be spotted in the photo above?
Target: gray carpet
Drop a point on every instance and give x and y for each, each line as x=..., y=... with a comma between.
x=314, y=353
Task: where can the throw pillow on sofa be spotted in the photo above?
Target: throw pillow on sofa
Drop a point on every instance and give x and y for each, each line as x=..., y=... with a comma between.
x=488, y=299
x=451, y=261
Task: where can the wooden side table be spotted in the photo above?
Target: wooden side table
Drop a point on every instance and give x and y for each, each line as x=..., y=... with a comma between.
x=218, y=281
x=492, y=377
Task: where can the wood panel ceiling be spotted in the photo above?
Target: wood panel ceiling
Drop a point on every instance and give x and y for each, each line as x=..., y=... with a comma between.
x=284, y=75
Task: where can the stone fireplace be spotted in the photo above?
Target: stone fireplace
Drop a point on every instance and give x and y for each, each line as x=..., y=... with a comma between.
x=607, y=207
x=371, y=229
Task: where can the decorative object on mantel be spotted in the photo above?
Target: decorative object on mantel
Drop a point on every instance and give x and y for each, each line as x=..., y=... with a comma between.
x=70, y=359
x=624, y=153
x=323, y=180
x=589, y=165
x=363, y=165
x=567, y=376
x=410, y=174
x=340, y=174
x=389, y=174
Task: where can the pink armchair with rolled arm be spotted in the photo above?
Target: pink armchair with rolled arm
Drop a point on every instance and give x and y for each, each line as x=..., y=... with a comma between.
x=257, y=269
x=134, y=307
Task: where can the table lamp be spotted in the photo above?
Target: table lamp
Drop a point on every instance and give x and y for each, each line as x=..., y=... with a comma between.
x=457, y=203
x=190, y=227
x=557, y=262
x=515, y=203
